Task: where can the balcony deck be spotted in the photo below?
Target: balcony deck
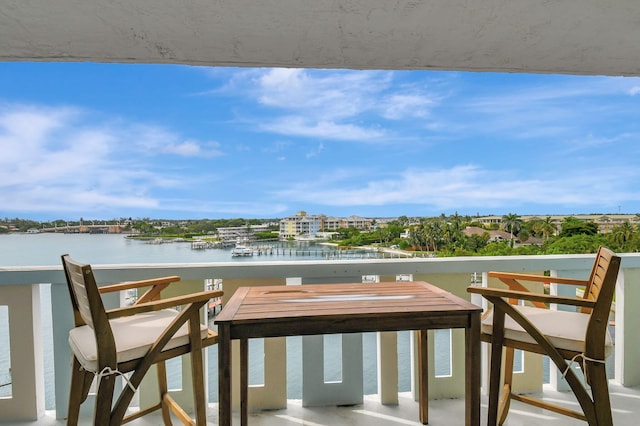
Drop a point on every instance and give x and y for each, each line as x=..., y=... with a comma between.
x=624, y=402
x=20, y=292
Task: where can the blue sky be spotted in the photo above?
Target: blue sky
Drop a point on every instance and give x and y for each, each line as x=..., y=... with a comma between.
x=103, y=141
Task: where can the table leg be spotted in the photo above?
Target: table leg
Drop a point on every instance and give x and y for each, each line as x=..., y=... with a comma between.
x=472, y=371
x=244, y=381
x=224, y=375
x=423, y=376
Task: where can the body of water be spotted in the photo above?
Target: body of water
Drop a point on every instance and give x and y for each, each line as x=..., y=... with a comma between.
x=45, y=249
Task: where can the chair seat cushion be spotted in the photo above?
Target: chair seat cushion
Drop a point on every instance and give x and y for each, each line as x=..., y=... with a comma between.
x=565, y=330
x=133, y=337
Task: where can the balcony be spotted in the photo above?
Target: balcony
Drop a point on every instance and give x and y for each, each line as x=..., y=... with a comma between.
x=39, y=353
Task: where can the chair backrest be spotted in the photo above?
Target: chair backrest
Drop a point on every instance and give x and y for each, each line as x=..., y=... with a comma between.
x=601, y=265
x=602, y=258
x=601, y=288
x=87, y=305
x=77, y=276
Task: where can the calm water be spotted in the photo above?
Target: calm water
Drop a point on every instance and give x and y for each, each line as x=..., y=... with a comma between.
x=45, y=249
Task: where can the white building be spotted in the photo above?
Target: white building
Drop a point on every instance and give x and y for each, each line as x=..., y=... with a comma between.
x=239, y=233
x=301, y=224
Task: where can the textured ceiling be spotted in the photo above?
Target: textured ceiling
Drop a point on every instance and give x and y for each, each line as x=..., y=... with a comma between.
x=561, y=36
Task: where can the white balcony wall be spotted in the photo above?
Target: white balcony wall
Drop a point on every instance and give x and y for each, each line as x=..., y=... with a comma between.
x=19, y=291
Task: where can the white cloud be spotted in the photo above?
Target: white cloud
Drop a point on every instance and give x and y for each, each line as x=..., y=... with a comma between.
x=72, y=199
x=402, y=106
x=192, y=148
x=299, y=126
x=315, y=152
x=153, y=140
x=232, y=208
x=24, y=129
x=330, y=104
x=321, y=104
x=326, y=95
x=57, y=160
x=31, y=123
x=466, y=187
x=278, y=146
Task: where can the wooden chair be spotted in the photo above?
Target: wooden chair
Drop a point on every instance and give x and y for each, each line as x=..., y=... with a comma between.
x=566, y=337
x=108, y=343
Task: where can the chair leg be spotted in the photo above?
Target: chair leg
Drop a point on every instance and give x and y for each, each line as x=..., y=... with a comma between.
x=495, y=367
x=104, y=400
x=200, y=399
x=163, y=388
x=600, y=392
x=505, y=398
x=79, y=389
x=197, y=371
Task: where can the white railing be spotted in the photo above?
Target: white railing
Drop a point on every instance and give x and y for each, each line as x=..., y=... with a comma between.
x=20, y=294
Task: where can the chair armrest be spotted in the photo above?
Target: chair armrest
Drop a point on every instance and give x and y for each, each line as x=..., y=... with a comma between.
x=490, y=293
x=537, y=278
x=156, y=305
x=137, y=284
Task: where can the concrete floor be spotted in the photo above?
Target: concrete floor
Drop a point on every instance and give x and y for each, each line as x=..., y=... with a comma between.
x=625, y=404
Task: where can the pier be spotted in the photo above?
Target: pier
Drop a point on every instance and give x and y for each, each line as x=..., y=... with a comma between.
x=324, y=253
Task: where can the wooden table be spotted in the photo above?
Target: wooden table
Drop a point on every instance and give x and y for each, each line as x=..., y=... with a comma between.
x=272, y=311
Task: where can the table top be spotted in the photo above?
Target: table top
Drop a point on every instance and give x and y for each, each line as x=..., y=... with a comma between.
x=264, y=311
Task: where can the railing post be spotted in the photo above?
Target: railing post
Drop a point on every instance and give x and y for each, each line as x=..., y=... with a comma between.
x=27, y=375
x=62, y=322
x=314, y=389
x=556, y=380
x=387, y=346
x=627, y=352
x=273, y=393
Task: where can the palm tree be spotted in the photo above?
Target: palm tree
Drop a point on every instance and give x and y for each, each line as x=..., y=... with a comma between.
x=456, y=221
x=542, y=227
x=623, y=233
x=547, y=227
x=434, y=233
x=512, y=223
x=403, y=221
x=414, y=238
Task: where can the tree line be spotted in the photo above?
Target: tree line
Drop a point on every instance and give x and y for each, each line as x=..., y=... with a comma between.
x=147, y=226
x=444, y=236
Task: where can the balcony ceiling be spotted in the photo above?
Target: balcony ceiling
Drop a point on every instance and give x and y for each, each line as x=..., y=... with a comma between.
x=532, y=36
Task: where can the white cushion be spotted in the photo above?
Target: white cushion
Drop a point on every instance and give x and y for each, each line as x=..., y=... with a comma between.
x=133, y=337
x=565, y=330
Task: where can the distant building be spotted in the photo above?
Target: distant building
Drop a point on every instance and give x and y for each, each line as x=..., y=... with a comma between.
x=497, y=236
x=303, y=224
x=357, y=222
x=494, y=236
x=332, y=223
x=232, y=234
x=605, y=222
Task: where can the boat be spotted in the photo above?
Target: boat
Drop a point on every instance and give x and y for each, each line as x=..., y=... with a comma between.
x=241, y=251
